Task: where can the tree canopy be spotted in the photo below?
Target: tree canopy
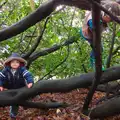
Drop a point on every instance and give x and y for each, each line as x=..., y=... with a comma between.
x=49, y=35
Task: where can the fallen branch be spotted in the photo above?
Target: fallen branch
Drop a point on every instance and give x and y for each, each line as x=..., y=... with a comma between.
x=15, y=96
x=40, y=105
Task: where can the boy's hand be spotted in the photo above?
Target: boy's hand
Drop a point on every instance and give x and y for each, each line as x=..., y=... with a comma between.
x=29, y=85
x=1, y=89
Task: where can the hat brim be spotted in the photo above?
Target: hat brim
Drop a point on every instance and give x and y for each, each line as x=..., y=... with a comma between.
x=15, y=58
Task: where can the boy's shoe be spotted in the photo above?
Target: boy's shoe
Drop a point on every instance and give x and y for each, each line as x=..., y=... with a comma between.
x=92, y=61
x=12, y=116
x=13, y=119
x=103, y=68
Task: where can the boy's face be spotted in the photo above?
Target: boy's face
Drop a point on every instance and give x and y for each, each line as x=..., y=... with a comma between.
x=106, y=18
x=15, y=64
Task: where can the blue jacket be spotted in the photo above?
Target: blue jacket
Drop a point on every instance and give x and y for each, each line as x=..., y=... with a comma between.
x=18, y=80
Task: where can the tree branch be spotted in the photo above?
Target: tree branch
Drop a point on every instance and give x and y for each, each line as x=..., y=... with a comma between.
x=54, y=48
x=108, y=108
x=113, y=17
x=43, y=105
x=37, y=41
x=97, y=50
x=12, y=97
x=42, y=12
x=112, y=46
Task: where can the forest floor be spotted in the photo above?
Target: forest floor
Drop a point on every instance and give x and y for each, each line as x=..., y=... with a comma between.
x=75, y=98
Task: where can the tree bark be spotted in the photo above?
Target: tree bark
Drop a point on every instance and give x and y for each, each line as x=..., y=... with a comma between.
x=11, y=97
x=96, y=41
x=41, y=13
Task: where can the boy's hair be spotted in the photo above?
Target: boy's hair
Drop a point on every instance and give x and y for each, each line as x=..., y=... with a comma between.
x=112, y=7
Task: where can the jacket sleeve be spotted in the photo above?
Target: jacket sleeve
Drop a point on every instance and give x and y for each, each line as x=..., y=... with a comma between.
x=2, y=77
x=27, y=75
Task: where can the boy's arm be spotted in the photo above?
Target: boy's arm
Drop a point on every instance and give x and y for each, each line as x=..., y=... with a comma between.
x=2, y=78
x=27, y=75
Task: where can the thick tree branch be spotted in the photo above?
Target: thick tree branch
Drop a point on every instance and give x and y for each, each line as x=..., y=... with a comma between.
x=42, y=12
x=108, y=108
x=12, y=97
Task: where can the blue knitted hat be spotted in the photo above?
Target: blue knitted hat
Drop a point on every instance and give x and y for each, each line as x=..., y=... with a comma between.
x=15, y=56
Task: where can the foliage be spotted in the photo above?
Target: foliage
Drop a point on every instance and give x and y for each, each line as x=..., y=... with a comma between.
x=60, y=27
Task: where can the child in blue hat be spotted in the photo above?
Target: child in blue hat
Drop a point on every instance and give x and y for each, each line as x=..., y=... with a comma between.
x=14, y=76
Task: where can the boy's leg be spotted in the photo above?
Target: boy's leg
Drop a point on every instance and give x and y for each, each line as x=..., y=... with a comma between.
x=92, y=58
x=14, y=111
x=92, y=54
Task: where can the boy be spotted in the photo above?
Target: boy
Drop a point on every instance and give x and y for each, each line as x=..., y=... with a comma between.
x=86, y=30
x=15, y=76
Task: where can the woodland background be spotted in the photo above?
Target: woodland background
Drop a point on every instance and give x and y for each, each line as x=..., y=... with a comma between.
x=54, y=50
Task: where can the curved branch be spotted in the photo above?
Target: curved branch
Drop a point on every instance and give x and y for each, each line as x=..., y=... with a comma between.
x=42, y=12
